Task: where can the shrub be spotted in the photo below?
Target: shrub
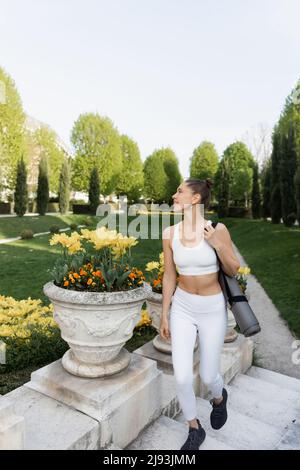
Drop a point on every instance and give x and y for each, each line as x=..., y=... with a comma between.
x=31, y=335
x=26, y=234
x=290, y=219
x=54, y=229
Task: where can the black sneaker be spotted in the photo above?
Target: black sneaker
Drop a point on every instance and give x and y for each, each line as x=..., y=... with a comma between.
x=195, y=438
x=218, y=416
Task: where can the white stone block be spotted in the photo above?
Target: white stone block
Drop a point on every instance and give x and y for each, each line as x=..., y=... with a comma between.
x=50, y=425
x=123, y=403
x=11, y=427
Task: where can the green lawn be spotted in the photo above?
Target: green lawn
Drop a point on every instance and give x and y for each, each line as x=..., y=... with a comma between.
x=12, y=226
x=273, y=254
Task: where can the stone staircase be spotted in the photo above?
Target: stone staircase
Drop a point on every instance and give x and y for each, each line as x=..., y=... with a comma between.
x=263, y=413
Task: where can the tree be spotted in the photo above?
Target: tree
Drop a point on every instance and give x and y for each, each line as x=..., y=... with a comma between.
x=287, y=170
x=256, y=198
x=266, y=189
x=43, y=186
x=155, y=178
x=172, y=172
x=258, y=140
x=131, y=180
x=21, y=193
x=204, y=161
x=12, y=133
x=238, y=162
x=275, y=204
x=297, y=191
x=97, y=144
x=94, y=190
x=46, y=141
x=222, y=188
x=64, y=187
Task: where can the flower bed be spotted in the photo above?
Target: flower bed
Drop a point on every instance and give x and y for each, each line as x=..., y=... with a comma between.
x=29, y=333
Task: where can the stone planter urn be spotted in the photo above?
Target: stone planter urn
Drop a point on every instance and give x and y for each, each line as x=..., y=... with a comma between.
x=154, y=308
x=96, y=326
x=231, y=333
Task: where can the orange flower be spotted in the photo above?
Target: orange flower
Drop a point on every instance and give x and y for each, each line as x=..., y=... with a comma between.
x=97, y=273
x=66, y=283
x=156, y=282
x=132, y=276
x=82, y=272
x=89, y=281
x=76, y=275
x=89, y=265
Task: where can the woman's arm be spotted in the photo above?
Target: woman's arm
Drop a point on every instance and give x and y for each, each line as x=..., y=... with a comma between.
x=169, y=276
x=219, y=238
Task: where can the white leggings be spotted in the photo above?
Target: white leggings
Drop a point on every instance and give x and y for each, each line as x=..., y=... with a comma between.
x=207, y=314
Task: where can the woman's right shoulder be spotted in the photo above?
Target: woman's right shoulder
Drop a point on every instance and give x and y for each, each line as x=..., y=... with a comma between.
x=168, y=230
x=168, y=233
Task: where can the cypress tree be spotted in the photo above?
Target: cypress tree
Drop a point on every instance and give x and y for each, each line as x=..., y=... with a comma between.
x=21, y=192
x=287, y=168
x=275, y=204
x=266, y=191
x=64, y=187
x=297, y=191
x=223, y=189
x=256, y=197
x=94, y=190
x=43, y=186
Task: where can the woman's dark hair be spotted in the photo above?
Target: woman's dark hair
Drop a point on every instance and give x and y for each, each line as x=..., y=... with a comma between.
x=202, y=187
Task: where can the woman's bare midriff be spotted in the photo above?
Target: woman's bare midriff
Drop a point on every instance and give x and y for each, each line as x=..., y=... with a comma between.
x=206, y=284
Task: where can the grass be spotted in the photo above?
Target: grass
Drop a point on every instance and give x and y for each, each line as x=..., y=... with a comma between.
x=12, y=226
x=273, y=254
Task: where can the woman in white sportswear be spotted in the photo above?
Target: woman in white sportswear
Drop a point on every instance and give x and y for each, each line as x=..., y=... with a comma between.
x=197, y=305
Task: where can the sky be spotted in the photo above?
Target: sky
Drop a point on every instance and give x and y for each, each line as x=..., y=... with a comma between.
x=166, y=72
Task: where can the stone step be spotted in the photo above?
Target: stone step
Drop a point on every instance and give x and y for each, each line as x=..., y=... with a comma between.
x=168, y=434
x=6, y=408
x=291, y=439
x=240, y=431
x=50, y=425
x=263, y=400
x=284, y=381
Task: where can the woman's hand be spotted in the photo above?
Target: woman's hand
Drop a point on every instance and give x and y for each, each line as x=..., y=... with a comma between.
x=164, y=329
x=214, y=237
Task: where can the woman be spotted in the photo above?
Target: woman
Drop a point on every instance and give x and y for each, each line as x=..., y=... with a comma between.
x=198, y=304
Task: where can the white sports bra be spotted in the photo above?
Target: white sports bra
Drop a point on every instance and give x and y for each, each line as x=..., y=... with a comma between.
x=199, y=259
